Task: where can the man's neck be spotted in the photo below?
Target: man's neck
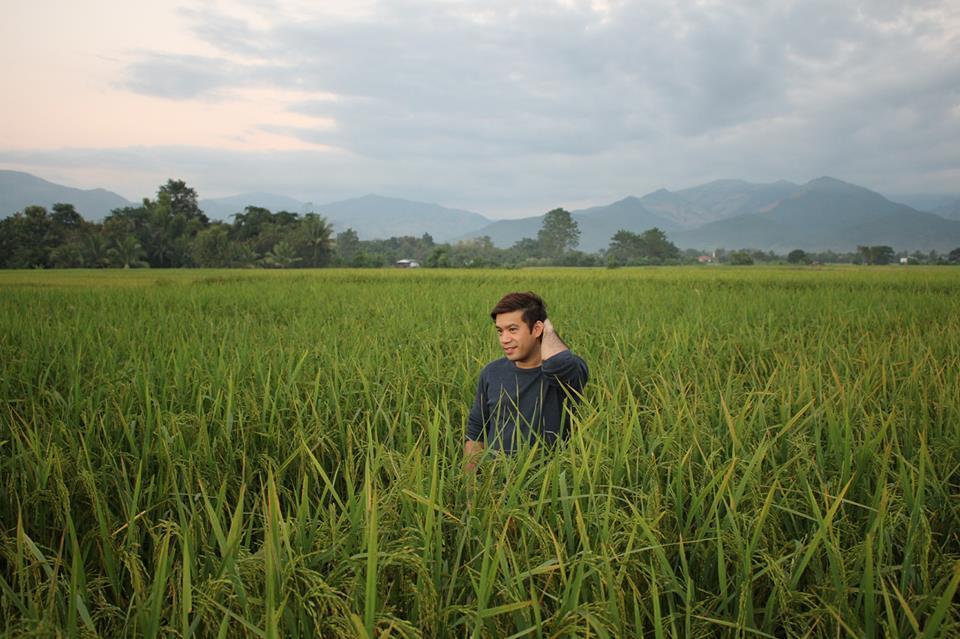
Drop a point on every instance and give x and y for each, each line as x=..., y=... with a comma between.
x=533, y=361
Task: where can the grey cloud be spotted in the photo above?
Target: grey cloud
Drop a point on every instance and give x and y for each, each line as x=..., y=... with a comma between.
x=231, y=33
x=461, y=71
x=178, y=76
x=538, y=99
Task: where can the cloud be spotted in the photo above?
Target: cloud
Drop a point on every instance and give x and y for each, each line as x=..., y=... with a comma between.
x=179, y=76
x=507, y=105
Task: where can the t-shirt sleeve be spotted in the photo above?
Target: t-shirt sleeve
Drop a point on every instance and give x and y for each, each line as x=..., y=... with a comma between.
x=567, y=370
x=477, y=421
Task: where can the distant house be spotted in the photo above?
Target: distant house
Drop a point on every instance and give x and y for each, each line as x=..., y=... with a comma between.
x=705, y=259
x=904, y=260
x=407, y=264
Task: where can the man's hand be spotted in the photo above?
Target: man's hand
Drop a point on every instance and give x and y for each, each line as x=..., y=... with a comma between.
x=471, y=453
x=551, y=344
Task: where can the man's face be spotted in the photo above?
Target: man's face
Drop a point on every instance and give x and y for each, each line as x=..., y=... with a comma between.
x=519, y=343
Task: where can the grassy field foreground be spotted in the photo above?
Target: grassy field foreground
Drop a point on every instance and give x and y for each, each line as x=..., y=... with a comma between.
x=762, y=452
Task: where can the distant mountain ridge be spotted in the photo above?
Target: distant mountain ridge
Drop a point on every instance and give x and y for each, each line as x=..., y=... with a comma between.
x=373, y=217
x=597, y=224
x=938, y=203
x=19, y=190
x=823, y=214
x=950, y=210
x=223, y=208
x=827, y=214
x=378, y=217
x=670, y=211
x=722, y=199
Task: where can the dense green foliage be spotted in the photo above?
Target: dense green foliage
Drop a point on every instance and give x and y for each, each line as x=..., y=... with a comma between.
x=651, y=246
x=877, y=254
x=769, y=452
x=741, y=258
x=559, y=233
x=172, y=231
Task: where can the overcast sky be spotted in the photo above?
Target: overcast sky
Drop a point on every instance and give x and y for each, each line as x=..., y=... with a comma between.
x=506, y=108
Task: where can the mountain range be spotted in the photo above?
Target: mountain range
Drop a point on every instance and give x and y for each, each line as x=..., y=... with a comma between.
x=222, y=208
x=947, y=206
x=823, y=214
x=374, y=216
x=371, y=216
x=19, y=190
x=949, y=210
x=827, y=214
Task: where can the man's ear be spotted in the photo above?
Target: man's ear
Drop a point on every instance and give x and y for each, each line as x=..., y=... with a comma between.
x=538, y=329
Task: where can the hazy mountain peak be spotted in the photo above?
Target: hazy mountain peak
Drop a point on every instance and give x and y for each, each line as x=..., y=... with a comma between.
x=725, y=183
x=19, y=190
x=376, y=198
x=375, y=216
x=660, y=195
x=828, y=184
x=827, y=181
x=223, y=208
x=826, y=214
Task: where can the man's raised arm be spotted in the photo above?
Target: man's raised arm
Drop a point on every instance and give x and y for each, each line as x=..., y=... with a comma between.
x=559, y=364
x=551, y=344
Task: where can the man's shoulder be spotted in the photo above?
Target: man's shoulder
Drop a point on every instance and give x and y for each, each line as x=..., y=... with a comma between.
x=495, y=367
x=501, y=370
x=564, y=357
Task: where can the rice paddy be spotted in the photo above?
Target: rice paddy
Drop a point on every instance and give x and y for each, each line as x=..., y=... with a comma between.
x=761, y=452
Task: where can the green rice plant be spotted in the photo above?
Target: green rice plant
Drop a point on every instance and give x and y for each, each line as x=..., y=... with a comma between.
x=767, y=452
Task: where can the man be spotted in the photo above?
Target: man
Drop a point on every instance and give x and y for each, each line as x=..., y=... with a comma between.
x=523, y=396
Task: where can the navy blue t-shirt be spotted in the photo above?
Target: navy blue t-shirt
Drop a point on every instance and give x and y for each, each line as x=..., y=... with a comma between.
x=517, y=405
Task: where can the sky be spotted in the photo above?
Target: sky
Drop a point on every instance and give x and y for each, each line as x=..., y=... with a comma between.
x=505, y=108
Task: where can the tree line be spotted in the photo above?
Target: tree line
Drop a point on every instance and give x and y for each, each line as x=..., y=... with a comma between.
x=172, y=231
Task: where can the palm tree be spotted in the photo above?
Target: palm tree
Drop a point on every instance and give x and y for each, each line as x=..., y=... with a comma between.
x=96, y=253
x=319, y=237
x=128, y=251
x=282, y=255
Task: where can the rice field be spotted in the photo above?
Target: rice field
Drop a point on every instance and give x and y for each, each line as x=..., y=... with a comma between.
x=762, y=452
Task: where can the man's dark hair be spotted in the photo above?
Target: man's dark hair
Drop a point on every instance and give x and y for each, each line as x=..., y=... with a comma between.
x=534, y=310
